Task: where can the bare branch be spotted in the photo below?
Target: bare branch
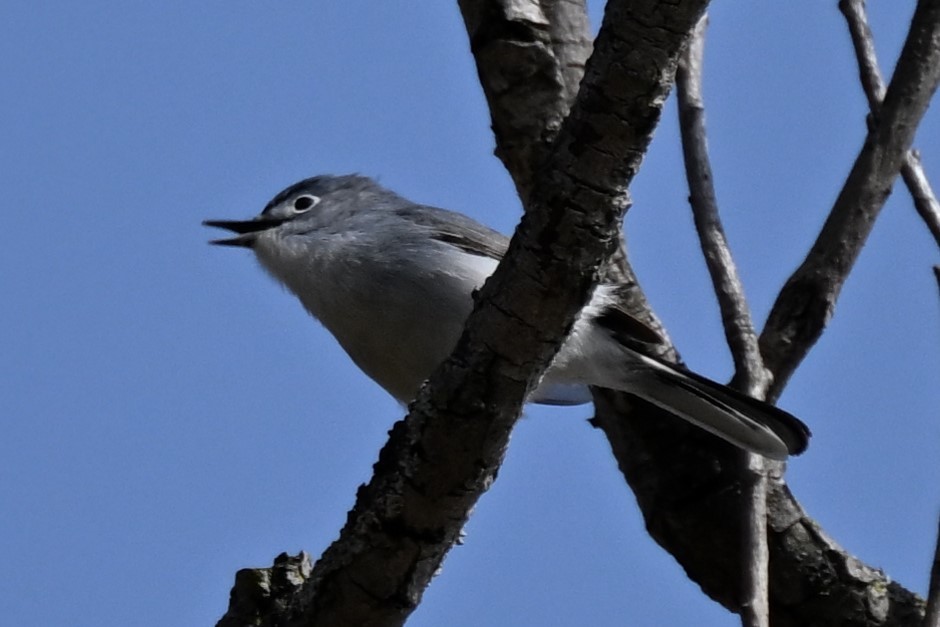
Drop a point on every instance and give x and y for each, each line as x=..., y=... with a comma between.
x=864, y=44
x=925, y=201
x=530, y=56
x=755, y=601
x=750, y=374
x=806, y=302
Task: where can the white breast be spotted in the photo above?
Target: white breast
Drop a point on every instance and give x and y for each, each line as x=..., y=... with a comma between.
x=396, y=315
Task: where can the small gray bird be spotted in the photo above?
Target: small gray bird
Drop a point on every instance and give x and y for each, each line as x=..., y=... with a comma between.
x=393, y=281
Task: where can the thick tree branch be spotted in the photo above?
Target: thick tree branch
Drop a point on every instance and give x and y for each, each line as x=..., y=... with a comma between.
x=446, y=452
x=569, y=33
x=530, y=56
x=806, y=302
x=925, y=201
x=528, y=68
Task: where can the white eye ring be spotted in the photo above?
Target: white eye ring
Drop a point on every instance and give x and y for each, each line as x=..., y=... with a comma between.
x=304, y=203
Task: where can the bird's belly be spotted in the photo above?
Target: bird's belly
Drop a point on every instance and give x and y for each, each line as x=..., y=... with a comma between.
x=396, y=341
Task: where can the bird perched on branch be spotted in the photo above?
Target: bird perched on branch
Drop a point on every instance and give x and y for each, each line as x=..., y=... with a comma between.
x=393, y=280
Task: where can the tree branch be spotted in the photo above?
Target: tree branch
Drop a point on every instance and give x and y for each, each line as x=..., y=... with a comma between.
x=527, y=78
x=806, y=302
x=755, y=594
x=750, y=375
x=689, y=486
x=527, y=67
x=446, y=452
x=912, y=171
x=569, y=33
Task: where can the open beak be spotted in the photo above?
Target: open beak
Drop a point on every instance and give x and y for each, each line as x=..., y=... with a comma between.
x=247, y=230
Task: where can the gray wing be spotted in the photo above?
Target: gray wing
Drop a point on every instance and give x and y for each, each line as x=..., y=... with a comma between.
x=458, y=230
x=476, y=239
x=472, y=237
x=629, y=330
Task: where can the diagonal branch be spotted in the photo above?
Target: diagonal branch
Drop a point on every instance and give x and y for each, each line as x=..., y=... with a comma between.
x=445, y=454
x=735, y=315
x=912, y=171
x=807, y=301
x=530, y=57
x=569, y=34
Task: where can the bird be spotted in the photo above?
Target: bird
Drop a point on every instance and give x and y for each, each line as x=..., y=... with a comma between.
x=393, y=281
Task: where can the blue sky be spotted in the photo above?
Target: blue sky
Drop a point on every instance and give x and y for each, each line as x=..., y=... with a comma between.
x=170, y=415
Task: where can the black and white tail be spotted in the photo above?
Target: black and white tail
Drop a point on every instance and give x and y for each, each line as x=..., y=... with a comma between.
x=747, y=422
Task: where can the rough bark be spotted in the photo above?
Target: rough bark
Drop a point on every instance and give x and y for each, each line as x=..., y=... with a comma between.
x=445, y=454
x=530, y=57
x=689, y=485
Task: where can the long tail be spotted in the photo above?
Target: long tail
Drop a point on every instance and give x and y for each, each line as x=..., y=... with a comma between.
x=742, y=420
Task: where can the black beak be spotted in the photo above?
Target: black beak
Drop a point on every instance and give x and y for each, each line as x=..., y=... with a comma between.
x=247, y=230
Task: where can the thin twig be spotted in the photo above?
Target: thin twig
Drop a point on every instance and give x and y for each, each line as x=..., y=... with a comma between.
x=807, y=301
x=755, y=604
x=864, y=43
x=750, y=374
x=925, y=201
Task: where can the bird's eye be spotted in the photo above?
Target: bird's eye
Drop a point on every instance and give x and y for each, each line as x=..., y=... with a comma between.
x=304, y=203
